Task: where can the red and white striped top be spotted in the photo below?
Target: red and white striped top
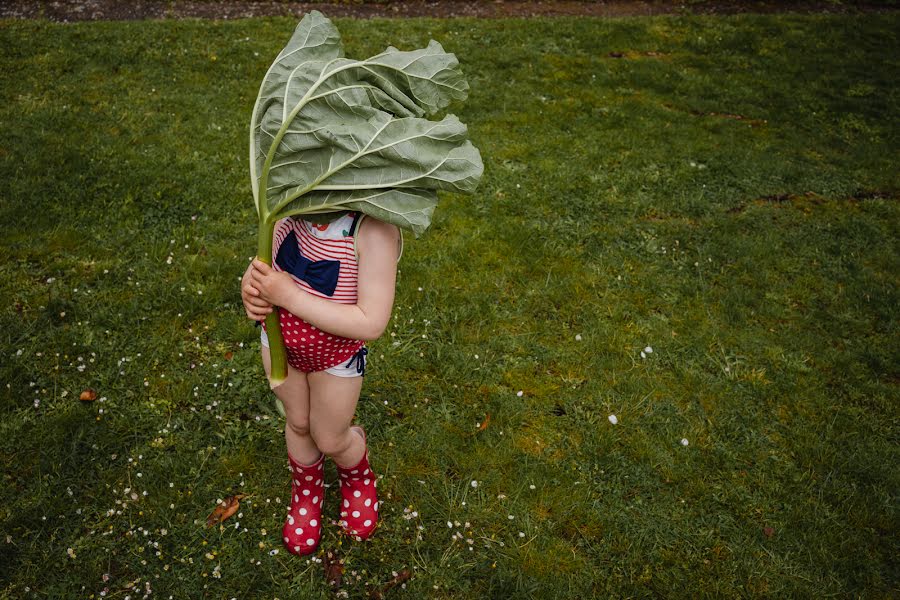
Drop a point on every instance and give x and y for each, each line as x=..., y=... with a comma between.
x=331, y=241
x=308, y=348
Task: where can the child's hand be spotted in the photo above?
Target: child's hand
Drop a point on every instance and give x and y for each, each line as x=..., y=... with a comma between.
x=275, y=287
x=257, y=308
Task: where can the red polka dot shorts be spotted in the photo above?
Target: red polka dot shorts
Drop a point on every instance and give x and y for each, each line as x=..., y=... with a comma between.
x=310, y=349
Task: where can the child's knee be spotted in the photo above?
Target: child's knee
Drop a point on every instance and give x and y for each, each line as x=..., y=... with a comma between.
x=299, y=425
x=331, y=442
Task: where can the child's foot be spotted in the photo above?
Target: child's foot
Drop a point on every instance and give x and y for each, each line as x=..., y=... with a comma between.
x=359, y=498
x=303, y=528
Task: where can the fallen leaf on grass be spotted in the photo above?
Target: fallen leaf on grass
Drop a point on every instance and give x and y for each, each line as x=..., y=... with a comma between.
x=401, y=577
x=334, y=569
x=88, y=395
x=229, y=355
x=224, y=509
x=484, y=424
x=768, y=531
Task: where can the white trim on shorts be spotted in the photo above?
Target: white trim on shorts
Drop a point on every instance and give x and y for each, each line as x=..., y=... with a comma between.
x=338, y=371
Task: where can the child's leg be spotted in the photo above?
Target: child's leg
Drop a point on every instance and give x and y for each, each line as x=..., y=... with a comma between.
x=302, y=528
x=332, y=403
x=294, y=395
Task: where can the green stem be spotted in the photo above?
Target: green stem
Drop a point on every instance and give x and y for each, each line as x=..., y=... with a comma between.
x=277, y=352
x=264, y=241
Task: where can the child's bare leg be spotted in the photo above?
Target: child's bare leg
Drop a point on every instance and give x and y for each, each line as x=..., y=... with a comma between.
x=332, y=403
x=294, y=395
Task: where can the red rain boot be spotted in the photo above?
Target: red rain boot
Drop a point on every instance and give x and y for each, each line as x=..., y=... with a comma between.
x=359, y=506
x=303, y=528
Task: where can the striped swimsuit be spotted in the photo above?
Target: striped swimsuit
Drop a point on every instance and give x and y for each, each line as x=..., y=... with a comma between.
x=308, y=348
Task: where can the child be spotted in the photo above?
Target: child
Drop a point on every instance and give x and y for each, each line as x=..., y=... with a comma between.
x=334, y=286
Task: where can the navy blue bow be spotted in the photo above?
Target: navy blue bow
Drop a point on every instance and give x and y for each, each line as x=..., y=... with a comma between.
x=321, y=275
x=360, y=359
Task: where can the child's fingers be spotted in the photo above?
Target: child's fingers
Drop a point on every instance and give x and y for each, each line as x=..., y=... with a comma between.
x=250, y=290
x=261, y=266
x=258, y=303
x=259, y=310
x=256, y=278
x=257, y=316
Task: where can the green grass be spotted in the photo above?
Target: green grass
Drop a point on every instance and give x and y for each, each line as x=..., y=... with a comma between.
x=725, y=192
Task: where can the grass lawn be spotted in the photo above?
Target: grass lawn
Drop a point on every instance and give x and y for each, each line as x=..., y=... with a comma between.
x=722, y=190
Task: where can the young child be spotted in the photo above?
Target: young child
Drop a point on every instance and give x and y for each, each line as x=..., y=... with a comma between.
x=334, y=286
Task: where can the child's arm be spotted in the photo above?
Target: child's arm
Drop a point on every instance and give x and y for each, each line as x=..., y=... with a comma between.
x=378, y=246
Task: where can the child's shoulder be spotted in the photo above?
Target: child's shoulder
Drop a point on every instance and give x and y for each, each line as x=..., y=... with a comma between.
x=371, y=226
x=379, y=237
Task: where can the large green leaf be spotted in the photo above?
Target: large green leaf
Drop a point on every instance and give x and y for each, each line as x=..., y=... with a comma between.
x=325, y=123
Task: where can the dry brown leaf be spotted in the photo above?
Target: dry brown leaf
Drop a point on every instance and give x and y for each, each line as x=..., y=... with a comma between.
x=224, y=509
x=229, y=355
x=334, y=569
x=88, y=395
x=484, y=424
x=401, y=577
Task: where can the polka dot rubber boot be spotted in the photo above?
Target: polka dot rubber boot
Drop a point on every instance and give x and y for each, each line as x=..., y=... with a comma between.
x=359, y=498
x=303, y=528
